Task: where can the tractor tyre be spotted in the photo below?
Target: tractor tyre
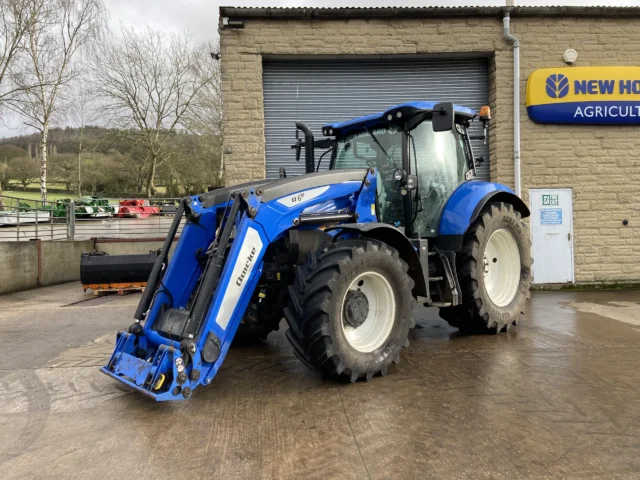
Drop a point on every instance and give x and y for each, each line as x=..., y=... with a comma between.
x=350, y=309
x=494, y=269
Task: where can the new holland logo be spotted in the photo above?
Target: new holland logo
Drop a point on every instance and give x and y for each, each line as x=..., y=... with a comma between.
x=557, y=85
x=585, y=95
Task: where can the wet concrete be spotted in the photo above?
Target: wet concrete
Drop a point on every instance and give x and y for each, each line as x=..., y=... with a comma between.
x=557, y=397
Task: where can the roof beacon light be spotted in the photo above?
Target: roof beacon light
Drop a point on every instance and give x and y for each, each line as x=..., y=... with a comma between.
x=485, y=113
x=485, y=116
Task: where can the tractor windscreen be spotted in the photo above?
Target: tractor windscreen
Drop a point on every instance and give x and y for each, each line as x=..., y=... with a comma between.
x=381, y=149
x=440, y=160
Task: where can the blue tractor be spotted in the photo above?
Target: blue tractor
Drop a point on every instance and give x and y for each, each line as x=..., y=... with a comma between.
x=344, y=255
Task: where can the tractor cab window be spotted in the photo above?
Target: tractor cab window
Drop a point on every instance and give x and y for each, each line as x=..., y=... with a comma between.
x=440, y=161
x=380, y=149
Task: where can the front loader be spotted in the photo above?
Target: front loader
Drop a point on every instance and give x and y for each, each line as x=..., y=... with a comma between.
x=344, y=255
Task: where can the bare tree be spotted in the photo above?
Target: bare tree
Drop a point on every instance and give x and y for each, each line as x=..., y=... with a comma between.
x=52, y=40
x=25, y=170
x=82, y=114
x=3, y=178
x=205, y=116
x=16, y=18
x=147, y=83
x=204, y=119
x=7, y=154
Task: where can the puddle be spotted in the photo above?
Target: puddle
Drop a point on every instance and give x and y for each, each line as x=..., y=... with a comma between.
x=627, y=312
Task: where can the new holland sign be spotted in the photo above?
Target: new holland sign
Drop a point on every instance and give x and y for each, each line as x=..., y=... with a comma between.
x=585, y=95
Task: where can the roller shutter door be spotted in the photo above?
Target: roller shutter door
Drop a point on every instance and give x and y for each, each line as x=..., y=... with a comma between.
x=319, y=92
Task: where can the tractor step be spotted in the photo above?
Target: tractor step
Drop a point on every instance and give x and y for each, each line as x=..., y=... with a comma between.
x=440, y=304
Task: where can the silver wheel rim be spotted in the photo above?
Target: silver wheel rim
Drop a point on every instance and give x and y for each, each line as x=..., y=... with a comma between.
x=501, y=267
x=378, y=323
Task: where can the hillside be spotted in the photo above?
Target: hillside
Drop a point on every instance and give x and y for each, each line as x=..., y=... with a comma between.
x=109, y=162
x=67, y=140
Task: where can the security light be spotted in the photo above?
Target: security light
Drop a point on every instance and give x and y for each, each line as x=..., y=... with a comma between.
x=232, y=22
x=570, y=56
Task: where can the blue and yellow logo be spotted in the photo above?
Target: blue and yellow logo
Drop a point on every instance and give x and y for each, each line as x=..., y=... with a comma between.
x=557, y=85
x=585, y=95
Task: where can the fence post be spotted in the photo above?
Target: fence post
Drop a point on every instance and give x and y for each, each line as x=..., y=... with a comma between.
x=18, y=222
x=71, y=215
x=36, y=221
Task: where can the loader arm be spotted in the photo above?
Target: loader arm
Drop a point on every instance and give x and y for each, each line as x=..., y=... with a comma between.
x=184, y=327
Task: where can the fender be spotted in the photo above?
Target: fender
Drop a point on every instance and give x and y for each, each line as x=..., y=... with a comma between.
x=466, y=202
x=396, y=239
x=506, y=197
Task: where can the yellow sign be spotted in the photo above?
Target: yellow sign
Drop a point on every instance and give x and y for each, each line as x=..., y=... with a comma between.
x=585, y=95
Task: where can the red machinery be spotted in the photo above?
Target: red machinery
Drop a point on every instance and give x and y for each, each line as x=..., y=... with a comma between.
x=136, y=208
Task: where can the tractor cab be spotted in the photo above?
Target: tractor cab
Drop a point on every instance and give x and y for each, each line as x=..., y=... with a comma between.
x=422, y=153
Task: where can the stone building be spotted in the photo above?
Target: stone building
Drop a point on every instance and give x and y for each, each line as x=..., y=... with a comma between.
x=322, y=65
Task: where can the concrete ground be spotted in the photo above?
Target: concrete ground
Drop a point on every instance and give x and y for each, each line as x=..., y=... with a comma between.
x=557, y=397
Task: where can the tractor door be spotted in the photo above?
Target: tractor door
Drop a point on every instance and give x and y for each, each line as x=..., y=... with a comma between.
x=380, y=149
x=440, y=161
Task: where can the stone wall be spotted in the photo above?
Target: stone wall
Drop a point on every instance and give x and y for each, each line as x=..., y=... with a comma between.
x=600, y=164
x=27, y=265
x=19, y=266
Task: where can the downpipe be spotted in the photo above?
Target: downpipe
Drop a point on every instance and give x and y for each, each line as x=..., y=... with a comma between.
x=508, y=36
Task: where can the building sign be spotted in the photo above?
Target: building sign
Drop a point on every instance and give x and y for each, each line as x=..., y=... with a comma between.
x=550, y=216
x=550, y=199
x=585, y=95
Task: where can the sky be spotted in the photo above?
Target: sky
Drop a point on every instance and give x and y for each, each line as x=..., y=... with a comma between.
x=200, y=17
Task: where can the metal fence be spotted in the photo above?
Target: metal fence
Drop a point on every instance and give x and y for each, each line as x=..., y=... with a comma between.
x=22, y=219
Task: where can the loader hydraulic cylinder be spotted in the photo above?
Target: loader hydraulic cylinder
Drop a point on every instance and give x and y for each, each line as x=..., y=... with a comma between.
x=157, y=270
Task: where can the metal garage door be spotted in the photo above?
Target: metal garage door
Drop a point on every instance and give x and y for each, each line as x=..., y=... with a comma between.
x=318, y=92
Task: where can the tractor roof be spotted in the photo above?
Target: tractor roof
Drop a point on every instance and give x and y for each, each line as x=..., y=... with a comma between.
x=408, y=110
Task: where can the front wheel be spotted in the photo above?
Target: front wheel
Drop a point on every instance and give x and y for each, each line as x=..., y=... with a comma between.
x=494, y=270
x=350, y=310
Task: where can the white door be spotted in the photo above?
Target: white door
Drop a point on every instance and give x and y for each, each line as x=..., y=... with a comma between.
x=552, y=235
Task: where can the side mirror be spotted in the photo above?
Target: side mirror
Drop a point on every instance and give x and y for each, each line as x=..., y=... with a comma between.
x=443, y=117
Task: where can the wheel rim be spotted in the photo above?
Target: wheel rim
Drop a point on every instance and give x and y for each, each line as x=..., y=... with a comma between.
x=501, y=267
x=379, y=319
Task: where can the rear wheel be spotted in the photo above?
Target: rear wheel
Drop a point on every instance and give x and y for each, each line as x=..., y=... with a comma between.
x=494, y=269
x=350, y=309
